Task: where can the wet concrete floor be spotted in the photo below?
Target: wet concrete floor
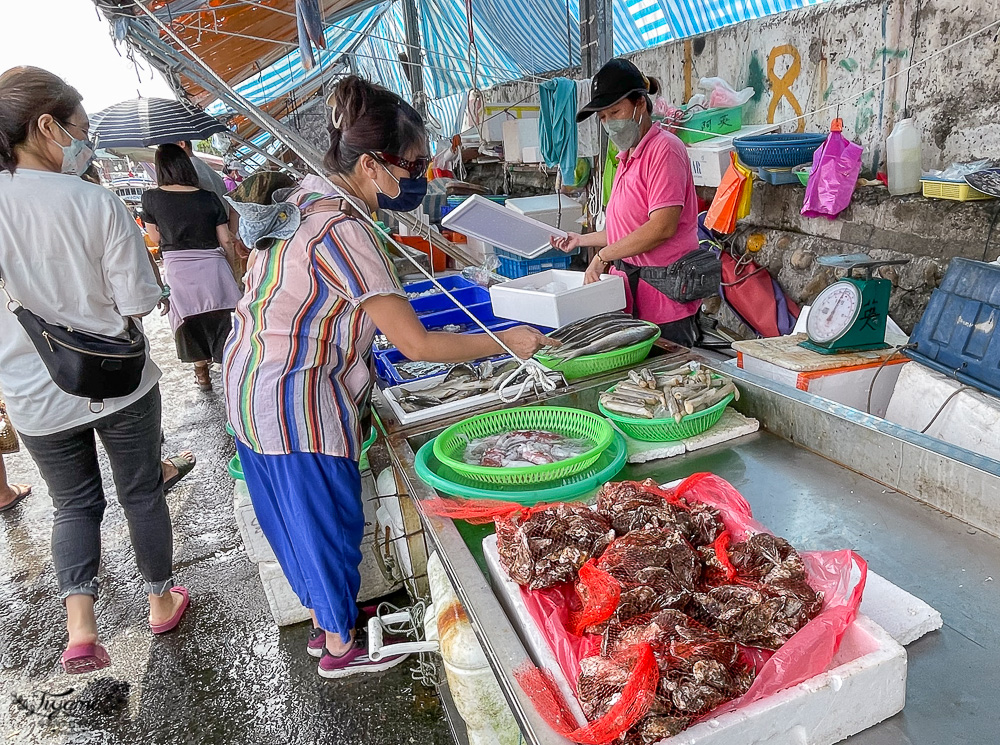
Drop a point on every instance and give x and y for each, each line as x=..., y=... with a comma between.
x=227, y=675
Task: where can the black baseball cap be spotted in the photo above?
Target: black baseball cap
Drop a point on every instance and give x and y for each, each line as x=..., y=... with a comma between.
x=613, y=82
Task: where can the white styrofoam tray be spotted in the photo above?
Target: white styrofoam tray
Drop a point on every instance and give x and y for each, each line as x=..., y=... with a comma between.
x=519, y=300
x=499, y=226
x=864, y=685
x=479, y=402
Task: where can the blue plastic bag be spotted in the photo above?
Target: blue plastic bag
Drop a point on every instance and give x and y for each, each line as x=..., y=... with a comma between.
x=836, y=165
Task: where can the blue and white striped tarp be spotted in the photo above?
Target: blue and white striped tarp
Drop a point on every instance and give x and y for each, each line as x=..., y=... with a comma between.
x=514, y=39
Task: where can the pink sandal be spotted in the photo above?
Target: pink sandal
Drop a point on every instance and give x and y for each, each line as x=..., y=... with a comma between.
x=171, y=624
x=85, y=658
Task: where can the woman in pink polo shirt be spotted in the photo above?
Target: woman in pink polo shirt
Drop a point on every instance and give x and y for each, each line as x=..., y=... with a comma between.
x=652, y=216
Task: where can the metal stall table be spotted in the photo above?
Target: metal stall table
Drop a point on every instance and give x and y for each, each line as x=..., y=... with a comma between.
x=825, y=477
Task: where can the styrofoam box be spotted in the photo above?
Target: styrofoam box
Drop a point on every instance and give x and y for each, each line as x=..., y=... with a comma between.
x=546, y=209
x=285, y=606
x=864, y=685
x=517, y=135
x=519, y=301
x=845, y=385
x=496, y=114
x=710, y=158
x=532, y=155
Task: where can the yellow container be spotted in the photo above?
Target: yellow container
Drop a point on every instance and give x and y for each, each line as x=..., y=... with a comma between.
x=957, y=191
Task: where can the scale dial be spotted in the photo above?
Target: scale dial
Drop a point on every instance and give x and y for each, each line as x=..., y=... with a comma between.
x=834, y=312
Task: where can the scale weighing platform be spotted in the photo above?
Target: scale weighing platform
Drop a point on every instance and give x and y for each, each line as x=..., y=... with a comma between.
x=850, y=315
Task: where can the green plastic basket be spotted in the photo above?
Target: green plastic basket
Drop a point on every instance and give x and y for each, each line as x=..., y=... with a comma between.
x=580, y=485
x=595, y=364
x=668, y=430
x=450, y=444
x=236, y=468
x=363, y=460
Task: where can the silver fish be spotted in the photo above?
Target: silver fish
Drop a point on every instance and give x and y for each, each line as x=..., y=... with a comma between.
x=616, y=340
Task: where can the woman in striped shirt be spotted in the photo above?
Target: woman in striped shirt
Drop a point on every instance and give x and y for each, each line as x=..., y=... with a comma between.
x=297, y=369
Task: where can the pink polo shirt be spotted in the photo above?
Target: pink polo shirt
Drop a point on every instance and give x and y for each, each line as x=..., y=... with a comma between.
x=656, y=175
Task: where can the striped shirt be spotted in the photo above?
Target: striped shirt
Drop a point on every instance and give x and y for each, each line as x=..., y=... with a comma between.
x=297, y=372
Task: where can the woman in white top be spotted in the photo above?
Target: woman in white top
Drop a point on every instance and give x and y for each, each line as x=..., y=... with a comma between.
x=71, y=253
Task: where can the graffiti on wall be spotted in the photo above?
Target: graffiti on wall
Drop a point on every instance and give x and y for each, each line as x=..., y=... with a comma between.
x=781, y=86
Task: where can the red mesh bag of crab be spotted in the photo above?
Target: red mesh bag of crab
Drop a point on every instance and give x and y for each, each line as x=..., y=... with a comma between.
x=730, y=612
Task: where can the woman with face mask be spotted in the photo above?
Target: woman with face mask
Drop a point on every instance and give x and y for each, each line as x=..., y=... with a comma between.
x=652, y=216
x=71, y=252
x=297, y=364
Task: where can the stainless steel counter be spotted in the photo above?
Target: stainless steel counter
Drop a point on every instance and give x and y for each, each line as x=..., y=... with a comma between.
x=952, y=691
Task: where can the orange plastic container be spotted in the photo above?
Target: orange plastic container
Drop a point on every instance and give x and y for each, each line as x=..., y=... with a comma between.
x=439, y=260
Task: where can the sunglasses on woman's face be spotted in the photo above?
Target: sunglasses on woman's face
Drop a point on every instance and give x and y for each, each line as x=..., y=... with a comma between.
x=416, y=167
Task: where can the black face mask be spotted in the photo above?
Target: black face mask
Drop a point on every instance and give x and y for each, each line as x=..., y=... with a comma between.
x=410, y=196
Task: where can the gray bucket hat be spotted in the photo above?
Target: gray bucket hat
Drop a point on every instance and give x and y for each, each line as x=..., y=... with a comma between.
x=261, y=225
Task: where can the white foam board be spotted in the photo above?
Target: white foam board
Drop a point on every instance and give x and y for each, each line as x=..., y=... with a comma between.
x=732, y=425
x=864, y=684
x=495, y=224
x=904, y=617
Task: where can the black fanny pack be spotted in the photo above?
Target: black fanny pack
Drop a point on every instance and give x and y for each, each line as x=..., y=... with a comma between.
x=694, y=276
x=85, y=364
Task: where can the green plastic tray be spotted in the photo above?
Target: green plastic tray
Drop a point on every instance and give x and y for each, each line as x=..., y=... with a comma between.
x=710, y=123
x=450, y=444
x=595, y=364
x=668, y=430
x=236, y=468
x=606, y=467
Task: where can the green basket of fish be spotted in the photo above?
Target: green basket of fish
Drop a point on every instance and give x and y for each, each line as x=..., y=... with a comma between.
x=596, y=345
x=668, y=429
x=524, y=446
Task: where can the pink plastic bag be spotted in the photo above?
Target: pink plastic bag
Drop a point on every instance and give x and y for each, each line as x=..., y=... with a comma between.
x=835, y=169
x=839, y=575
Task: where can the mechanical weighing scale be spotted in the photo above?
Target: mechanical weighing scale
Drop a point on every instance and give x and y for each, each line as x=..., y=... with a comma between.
x=850, y=315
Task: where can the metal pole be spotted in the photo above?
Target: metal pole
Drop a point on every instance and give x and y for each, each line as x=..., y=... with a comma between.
x=414, y=51
x=264, y=154
x=596, y=35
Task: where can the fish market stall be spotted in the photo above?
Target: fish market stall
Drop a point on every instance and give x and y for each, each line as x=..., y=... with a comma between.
x=825, y=478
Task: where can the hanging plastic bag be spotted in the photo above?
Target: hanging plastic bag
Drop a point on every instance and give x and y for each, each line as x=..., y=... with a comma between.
x=743, y=208
x=721, y=95
x=722, y=214
x=834, y=176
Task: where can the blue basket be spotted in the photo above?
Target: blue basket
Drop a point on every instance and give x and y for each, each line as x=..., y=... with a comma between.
x=777, y=150
x=513, y=266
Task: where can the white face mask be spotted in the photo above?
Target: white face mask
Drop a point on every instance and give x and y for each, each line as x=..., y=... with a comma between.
x=624, y=133
x=77, y=156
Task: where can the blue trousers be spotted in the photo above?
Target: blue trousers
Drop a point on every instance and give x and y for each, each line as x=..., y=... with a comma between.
x=309, y=507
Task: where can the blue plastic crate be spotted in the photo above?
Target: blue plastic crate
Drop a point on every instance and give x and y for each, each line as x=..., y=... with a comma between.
x=955, y=335
x=451, y=282
x=513, y=266
x=439, y=302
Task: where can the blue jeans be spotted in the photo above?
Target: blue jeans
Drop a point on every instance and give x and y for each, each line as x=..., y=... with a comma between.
x=68, y=464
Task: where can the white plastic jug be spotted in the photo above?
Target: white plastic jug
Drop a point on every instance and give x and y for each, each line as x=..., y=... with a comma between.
x=903, y=157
